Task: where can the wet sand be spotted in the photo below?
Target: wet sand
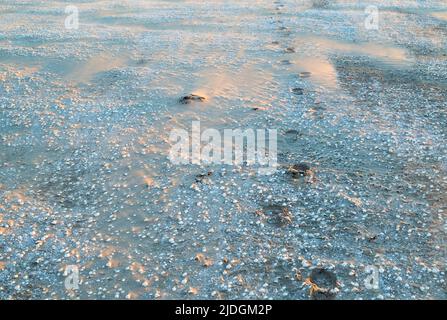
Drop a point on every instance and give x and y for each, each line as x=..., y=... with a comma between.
x=85, y=178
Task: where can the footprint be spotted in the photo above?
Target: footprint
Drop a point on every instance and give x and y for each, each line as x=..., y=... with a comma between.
x=277, y=215
x=203, y=176
x=305, y=74
x=300, y=170
x=298, y=91
x=191, y=98
x=323, y=282
x=292, y=135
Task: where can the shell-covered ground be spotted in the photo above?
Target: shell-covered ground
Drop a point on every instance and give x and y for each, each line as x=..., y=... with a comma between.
x=85, y=178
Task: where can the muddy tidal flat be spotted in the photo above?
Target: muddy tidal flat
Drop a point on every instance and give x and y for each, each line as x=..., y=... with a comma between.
x=92, y=207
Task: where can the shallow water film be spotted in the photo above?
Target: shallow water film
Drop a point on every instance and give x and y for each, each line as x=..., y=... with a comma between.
x=350, y=98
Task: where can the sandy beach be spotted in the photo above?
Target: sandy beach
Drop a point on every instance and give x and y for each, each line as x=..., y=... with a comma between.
x=358, y=99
